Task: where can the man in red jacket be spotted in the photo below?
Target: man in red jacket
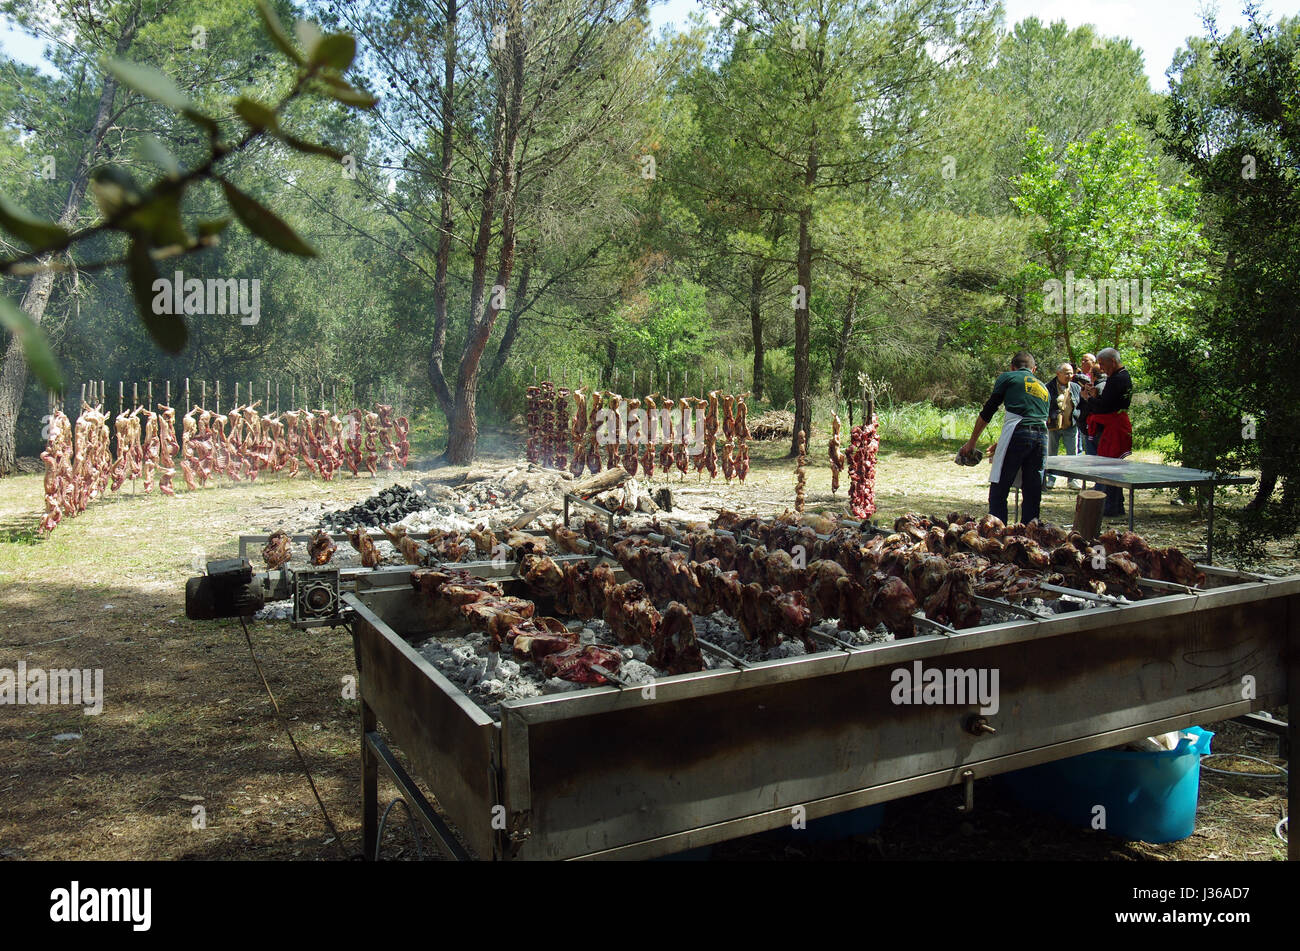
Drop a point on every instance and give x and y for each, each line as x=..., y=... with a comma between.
x=1108, y=422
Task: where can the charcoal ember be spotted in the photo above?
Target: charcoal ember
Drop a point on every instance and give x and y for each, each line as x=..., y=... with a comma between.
x=383, y=508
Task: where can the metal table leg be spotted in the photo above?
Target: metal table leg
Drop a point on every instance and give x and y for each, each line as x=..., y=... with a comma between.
x=1293, y=722
x=1130, y=508
x=1209, y=530
x=369, y=785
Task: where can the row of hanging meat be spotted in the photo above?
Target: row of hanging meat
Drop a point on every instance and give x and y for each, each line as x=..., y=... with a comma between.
x=860, y=460
x=239, y=445
x=571, y=429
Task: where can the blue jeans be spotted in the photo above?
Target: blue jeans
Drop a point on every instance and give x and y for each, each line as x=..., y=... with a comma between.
x=1056, y=438
x=1025, y=454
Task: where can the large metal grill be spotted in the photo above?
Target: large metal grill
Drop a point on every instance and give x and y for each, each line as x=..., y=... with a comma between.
x=694, y=759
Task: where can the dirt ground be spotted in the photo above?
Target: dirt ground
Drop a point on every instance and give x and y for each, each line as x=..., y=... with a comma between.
x=187, y=760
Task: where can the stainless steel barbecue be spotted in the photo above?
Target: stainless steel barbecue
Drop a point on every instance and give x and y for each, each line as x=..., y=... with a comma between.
x=697, y=758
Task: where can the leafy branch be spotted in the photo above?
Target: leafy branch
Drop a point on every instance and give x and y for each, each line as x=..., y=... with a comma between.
x=150, y=218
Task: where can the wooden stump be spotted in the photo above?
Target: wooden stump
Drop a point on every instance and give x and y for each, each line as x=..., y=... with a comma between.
x=1088, y=507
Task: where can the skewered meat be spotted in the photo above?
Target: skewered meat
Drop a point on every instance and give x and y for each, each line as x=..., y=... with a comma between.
x=578, y=433
x=567, y=540
x=836, y=454
x=363, y=543
x=496, y=614
x=675, y=648
x=652, y=435
x=320, y=549
x=541, y=573
x=536, y=637
x=412, y=551
x=533, y=417
x=276, y=553
x=560, y=437
x=577, y=664
x=484, y=541
x=864, y=443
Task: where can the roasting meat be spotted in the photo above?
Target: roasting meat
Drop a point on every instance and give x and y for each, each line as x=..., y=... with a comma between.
x=578, y=664
x=864, y=444
x=276, y=552
x=363, y=543
x=674, y=647
x=320, y=549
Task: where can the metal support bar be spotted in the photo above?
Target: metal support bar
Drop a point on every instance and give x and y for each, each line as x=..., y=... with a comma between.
x=1268, y=724
x=374, y=745
x=578, y=500
x=1014, y=608
x=1105, y=599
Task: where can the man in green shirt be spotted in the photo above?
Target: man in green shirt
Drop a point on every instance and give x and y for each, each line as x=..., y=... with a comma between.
x=1022, y=447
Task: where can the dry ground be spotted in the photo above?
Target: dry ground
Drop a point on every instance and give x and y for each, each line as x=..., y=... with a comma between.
x=186, y=722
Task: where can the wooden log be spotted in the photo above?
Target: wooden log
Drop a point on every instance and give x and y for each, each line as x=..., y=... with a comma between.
x=600, y=482
x=1088, y=507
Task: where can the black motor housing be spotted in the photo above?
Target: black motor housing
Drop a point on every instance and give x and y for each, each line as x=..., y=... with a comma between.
x=227, y=590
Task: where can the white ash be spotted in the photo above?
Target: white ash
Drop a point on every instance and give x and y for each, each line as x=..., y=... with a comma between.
x=465, y=661
x=723, y=630
x=275, y=611
x=862, y=637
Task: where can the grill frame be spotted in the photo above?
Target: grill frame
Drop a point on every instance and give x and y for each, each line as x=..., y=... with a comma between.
x=609, y=772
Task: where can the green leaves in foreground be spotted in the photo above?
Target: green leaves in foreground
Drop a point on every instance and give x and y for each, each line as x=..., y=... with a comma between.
x=265, y=223
x=27, y=228
x=150, y=216
x=36, y=349
x=167, y=330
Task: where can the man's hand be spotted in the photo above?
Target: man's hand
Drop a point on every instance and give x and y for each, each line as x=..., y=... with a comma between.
x=967, y=448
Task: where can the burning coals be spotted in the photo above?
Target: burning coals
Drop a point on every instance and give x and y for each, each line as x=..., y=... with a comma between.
x=492, y=497
x=385, y=507
x=488, y=679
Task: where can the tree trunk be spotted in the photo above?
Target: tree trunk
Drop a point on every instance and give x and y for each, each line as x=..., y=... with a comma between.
x=756, y=322
x=802, y=332
x=802, y=321
x=512, y=325
x=846, y=332
x=13, y=375
x=437, y=379
x=464, y=424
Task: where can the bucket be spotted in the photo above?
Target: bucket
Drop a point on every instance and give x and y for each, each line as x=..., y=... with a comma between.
x=1150, y=797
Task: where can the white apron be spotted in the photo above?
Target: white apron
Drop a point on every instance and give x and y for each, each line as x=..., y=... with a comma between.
x=1000, y=454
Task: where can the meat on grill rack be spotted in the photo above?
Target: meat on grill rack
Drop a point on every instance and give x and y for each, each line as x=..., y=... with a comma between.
x=276, y=553
x=320, y=549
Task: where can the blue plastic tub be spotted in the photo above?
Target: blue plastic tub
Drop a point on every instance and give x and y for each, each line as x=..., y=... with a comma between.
x=1150, y=797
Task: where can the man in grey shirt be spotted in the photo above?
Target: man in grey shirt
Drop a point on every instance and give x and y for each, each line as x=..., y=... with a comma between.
x=1062, y=419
